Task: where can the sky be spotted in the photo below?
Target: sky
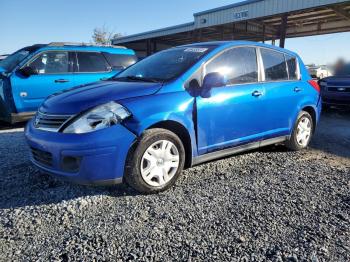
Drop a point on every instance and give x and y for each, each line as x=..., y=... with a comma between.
x=43, y=21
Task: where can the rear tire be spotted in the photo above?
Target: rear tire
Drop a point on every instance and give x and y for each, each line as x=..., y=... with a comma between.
x=302, y=132
x=155, y=162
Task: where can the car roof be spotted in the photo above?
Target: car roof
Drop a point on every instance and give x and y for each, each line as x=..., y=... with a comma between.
x=242, y=43
x=84, y=47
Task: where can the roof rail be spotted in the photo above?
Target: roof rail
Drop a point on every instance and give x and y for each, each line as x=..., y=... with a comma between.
x=82, y=44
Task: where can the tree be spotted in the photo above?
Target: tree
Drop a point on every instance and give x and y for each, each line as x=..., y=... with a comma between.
x=103, y=36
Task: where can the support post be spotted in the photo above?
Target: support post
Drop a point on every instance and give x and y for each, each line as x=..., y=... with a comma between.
x=283, y=30
x=148, y=47
x=199, y=35
x=264, y=29
x=233, y=31
x=154, y=46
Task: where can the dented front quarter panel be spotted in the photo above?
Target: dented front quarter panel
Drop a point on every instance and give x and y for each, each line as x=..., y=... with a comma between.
x=6, y=98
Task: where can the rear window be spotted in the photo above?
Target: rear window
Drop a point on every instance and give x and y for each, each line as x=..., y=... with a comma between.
x=89, y=62
x=292, y=67
x=274, y=65
x=120, y=61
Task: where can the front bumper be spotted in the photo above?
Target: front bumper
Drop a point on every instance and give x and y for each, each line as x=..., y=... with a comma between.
x=101, y=154
x=336, y=99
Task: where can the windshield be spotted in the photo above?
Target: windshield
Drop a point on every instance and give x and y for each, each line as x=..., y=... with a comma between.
x=10, y=62
x=165, y=65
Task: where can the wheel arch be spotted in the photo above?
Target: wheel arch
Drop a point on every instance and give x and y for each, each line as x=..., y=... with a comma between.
x=181, y=131
x=311, y=110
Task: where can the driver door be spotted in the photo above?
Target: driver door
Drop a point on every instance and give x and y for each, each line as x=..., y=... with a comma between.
x=233, y=114
x=54, y=74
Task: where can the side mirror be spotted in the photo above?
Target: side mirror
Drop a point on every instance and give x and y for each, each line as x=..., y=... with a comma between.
x=210, y=81
x=28, y=71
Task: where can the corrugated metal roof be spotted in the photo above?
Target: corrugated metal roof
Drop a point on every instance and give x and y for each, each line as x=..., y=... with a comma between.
x=246, y=10
x=158, y=32
x=226, y=7
x=255, y=9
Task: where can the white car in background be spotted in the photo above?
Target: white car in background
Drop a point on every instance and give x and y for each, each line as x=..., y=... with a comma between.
x=319, y=72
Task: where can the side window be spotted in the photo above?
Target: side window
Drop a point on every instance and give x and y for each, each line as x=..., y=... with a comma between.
x=239, y=65
x=120, y=61
x=292, y=67
x=53, y=62
x=275, y=65
x=90, y=62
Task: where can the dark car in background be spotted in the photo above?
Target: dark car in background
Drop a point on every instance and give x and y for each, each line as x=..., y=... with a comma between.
x=335, y=90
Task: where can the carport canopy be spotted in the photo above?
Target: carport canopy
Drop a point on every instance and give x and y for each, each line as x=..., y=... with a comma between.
x=254, y=20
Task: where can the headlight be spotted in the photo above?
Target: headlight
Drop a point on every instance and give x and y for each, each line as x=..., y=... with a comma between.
x=323, y=84
x=97, y=118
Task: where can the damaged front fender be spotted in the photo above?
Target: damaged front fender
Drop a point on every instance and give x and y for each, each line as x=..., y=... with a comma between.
x=7, y=105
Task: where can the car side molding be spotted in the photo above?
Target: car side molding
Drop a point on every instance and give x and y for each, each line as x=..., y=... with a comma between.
x=238, y=149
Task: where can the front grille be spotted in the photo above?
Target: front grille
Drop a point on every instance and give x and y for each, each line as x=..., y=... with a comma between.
x=42, y=157
x=50, y=122
x=342, y=89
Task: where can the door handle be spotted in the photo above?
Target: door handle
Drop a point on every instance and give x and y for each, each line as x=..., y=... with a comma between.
x=297, y=89
x=61, y=80
x=257, y=93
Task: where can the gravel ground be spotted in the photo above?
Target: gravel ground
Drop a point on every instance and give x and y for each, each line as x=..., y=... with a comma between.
x=266, y=205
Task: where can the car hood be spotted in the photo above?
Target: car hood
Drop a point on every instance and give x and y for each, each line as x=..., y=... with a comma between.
x=84, y=97
x=337, y=80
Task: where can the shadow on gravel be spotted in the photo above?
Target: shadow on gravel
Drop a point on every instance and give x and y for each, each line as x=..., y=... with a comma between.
x=7, y=126
x=333, y=132
x=21, y=185
x=36, y=189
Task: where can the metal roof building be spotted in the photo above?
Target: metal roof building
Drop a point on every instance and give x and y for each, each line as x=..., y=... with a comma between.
x=255, y=20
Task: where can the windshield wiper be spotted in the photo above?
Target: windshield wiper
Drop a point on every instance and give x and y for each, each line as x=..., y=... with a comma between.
x=137, y=78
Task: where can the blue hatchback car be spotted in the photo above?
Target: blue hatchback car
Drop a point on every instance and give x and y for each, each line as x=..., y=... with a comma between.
x=33, y=73
x=175, y=109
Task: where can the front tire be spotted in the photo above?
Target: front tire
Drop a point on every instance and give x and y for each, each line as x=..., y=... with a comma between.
x=155, y=162
x=302, y=132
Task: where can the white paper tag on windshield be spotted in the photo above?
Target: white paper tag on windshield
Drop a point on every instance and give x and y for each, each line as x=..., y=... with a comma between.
x=196, y=49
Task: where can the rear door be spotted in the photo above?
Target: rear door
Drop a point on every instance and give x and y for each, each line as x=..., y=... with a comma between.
x=283, y=91
x=233, y=114
x=91, y=67
x=54, y=74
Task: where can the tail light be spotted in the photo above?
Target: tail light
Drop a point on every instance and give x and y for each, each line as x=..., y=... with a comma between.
x=315, y=85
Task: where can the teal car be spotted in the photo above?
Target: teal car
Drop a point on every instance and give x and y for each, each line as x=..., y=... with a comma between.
x=35, y=72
